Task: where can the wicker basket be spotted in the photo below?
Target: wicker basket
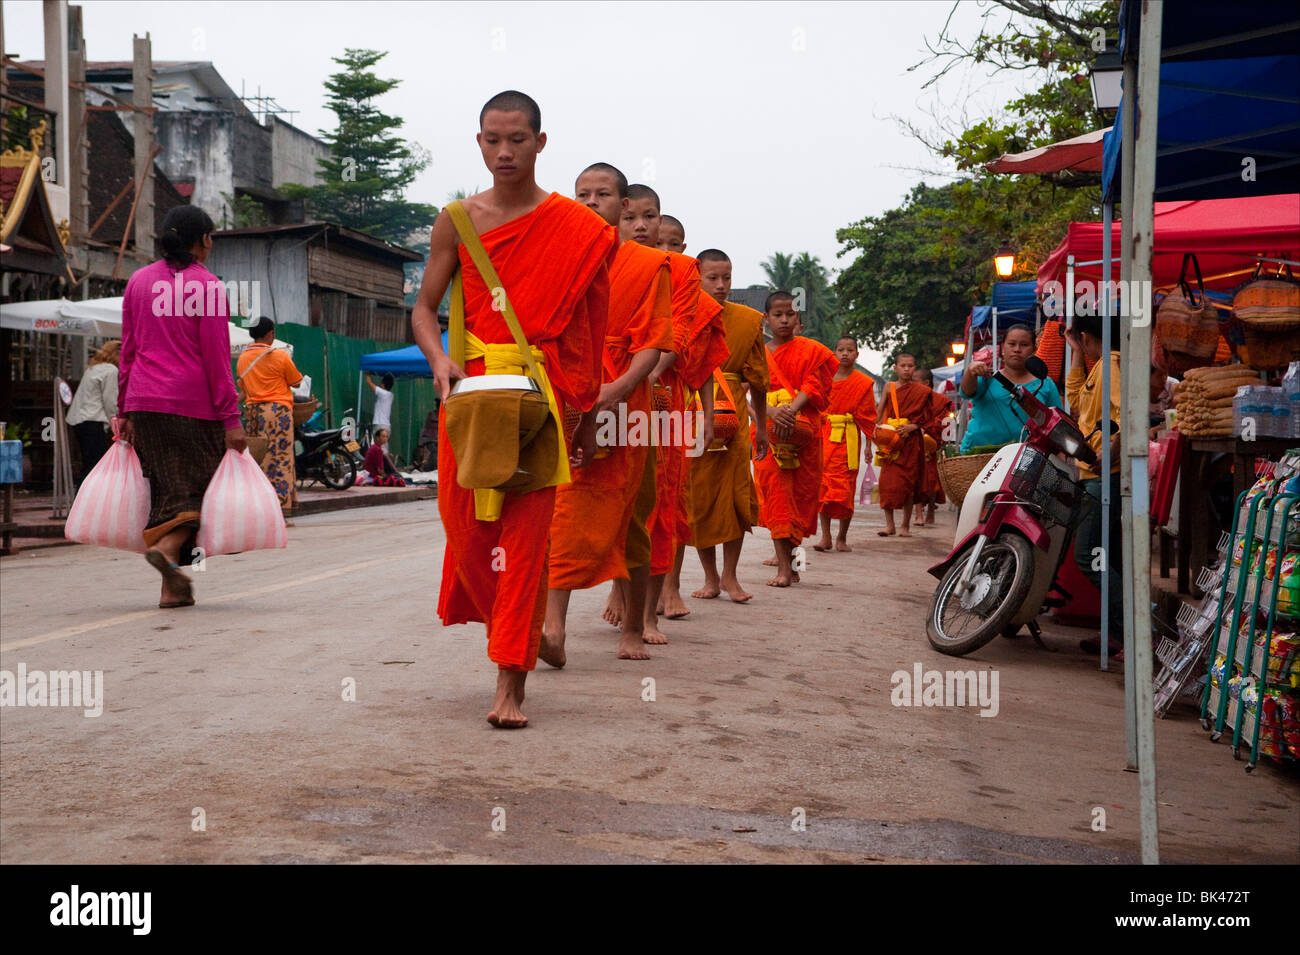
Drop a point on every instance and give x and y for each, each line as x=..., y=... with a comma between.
x=958, y=472
x=1272, y=347
x=258, y=446
x=303, y=410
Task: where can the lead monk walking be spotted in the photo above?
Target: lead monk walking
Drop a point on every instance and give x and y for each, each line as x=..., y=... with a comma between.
x=552, y=257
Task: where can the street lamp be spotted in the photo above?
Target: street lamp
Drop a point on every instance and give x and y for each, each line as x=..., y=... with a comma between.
x=1105, y=76
x=951, y=361
x=1004, y=261
x=959, y=348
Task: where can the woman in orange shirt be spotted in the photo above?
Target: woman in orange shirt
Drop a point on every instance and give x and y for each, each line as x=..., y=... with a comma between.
x=265, y=375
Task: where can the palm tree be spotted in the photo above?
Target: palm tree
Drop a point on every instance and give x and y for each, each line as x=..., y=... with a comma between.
x=806, y=278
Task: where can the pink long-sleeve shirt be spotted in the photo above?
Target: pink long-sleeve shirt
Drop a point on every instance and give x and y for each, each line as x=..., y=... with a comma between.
x=176, y=345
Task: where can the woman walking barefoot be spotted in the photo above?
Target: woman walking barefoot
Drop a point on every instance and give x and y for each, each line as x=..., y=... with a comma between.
x=176, y=391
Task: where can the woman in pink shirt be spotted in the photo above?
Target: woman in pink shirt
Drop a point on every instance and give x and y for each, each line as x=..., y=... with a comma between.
x=176, y=392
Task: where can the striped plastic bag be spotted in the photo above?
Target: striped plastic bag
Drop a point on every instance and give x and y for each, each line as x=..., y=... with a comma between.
x=112, y=505
x=240, y=509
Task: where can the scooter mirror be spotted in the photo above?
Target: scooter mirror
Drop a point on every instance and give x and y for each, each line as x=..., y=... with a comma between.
x=1036, y=366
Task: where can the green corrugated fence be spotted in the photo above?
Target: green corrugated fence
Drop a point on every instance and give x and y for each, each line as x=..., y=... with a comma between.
x=334, y=361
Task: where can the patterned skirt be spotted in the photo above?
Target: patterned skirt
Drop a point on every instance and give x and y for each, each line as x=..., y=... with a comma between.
x=274, y=421
x=178, y=455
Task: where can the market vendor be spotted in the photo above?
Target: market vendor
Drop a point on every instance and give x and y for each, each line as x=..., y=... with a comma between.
x=997, y=420
x=1083, y=387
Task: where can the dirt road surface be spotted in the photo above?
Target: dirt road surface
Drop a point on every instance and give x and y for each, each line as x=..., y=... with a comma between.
x=233, y=714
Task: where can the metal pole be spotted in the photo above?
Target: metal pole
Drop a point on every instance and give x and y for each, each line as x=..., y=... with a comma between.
x=1128, y=136
x=1069, y=322
x=1133, y=416
x=356, y=409
x=1105, y=458
x=995, y=339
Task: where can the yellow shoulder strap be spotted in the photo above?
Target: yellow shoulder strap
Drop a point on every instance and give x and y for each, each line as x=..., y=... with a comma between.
x=456, y=333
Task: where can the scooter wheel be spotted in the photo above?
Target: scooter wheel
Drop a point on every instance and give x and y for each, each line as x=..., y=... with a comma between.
x=1004, y=576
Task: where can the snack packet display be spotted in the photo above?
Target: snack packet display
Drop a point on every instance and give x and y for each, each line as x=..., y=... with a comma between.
x=1288, y=595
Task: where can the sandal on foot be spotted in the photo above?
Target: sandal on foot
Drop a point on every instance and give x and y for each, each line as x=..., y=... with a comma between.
x=172, y=575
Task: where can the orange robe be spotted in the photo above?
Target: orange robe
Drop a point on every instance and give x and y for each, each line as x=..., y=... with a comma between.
x=699, y=341
x=932, y=490
x=904, y=478
x=789, y=497
x=855, y=397
x=589, y=528
x=723, y=500
x=554, y=264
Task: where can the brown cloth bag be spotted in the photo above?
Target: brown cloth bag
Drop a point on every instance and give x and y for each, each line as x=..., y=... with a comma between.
x=1187, y=324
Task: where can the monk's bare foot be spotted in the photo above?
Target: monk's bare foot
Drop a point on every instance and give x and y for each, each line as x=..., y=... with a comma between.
x=770, y=562
x=737, y=593
x=843, y=546
x=505, y=712
x=614, y=608
x=823, y=545
x=781, y=580
x=654, y=636
x=551, y=650
x=708, y=591
x=659, y=608
x=674, y=608
x=905, y=533
x=630, y=647
x=884, y=533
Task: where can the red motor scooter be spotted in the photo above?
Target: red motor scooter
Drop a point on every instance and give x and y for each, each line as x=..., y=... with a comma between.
x=1012, y=533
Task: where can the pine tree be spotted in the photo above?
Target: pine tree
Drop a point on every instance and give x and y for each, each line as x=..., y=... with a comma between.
x=369, y=168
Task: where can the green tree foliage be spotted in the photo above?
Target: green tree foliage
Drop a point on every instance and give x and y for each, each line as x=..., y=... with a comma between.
x=919, y=268
x=806, y=278
x=914, y=276
x=369, y=168
x=242, y=212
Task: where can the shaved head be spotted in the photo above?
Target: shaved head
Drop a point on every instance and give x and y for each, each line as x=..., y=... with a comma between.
x=604, y=167
x=674, y=221
x=513, y=101
x=639, y=191
x=777, y=296
x=712, y=255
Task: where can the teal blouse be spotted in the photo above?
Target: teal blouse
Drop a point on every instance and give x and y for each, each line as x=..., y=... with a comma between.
x=996, y=419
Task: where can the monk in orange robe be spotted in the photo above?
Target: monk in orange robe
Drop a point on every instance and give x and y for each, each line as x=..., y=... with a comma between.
x=850, y=421
x=589, y=530
x=552, y=257
x=902, y=472
x=699, y=346
x=723, y=497
x=931, y=490
x=790, y=477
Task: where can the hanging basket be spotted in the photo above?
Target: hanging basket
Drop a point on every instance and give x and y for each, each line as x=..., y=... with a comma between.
x=957, y=472
x=1273, y=347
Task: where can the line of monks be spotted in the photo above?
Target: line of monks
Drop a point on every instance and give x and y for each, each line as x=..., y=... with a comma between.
x=622, y=321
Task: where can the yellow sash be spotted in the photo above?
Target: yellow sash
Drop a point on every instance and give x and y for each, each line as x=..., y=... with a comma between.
x=786, y=453
x=845, y=431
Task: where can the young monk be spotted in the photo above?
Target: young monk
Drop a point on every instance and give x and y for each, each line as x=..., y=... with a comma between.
x=931, y=490
x=902, y=475
x=552, y=256
x=850, y=415
x=695, y=352
x=699, y=347
x=791, y=476
x=723, y=499
x=589, y=530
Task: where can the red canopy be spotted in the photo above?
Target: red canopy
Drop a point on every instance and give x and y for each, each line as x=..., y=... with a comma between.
x=1080, y=154
x=1225, y=234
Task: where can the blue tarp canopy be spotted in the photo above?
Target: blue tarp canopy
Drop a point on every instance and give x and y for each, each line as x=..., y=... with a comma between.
x=400, y=361
x=1015, y=302
x=1229, y=91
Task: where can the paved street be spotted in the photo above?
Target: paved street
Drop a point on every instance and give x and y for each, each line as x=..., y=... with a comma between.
x=236, y=707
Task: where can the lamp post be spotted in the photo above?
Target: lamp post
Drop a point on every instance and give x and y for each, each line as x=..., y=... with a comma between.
x=1105, y=76
x=1004, y=261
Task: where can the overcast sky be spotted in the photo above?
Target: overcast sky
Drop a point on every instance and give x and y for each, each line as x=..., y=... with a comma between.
x=763, y=126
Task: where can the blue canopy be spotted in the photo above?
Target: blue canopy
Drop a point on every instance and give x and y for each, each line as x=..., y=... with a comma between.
x=1229, y=91
x=400, y=361
x=1015, y=302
